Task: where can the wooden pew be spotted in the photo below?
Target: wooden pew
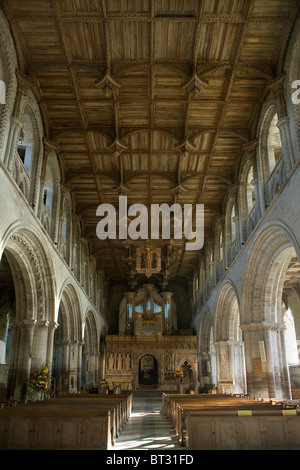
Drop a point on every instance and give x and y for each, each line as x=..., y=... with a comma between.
x=178, y=406
x=30, y=428
x=233, y=429
x=120, y=407
x=106, y=413
x=123, y=402
x=172, y=401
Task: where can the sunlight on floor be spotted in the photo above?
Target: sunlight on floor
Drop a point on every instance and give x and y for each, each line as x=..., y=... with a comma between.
x=147, y=428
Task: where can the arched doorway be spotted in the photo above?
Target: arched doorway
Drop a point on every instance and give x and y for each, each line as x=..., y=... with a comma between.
x=148, y=370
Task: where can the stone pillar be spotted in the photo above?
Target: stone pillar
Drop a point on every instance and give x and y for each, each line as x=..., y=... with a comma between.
x=266, y=365
x=16, y=328
x=49, y=356
x=230, y=365
x=66, y=346
x=40, y=344
x=224, y=373
x=79, y=364
x=97, y=354
x=26, y=347
x=237, y=366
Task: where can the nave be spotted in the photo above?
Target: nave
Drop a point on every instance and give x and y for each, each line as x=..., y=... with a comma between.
x=147, y=428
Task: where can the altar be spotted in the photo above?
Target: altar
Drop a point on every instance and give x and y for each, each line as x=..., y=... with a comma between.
x=149, y=348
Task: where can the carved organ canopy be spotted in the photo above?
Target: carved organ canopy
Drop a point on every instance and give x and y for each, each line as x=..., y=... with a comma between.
x=147, y=312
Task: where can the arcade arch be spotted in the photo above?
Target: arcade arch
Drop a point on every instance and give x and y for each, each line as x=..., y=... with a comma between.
x=273, y=269
x=229, y=343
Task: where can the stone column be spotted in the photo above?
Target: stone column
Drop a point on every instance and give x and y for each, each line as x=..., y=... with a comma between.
x=97, y=354
x=224, y=372
x=66, y=346
x=237, y=366
x=16, y=328
x=266, y=365
x=49, y=355
x=230, y=364
x=26, y=346
x=79, y=364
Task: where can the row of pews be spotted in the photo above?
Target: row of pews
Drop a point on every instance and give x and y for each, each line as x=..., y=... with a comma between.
x=226, y=422
x=72, y=422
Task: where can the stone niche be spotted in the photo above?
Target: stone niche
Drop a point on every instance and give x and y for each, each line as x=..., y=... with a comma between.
x=149, y=348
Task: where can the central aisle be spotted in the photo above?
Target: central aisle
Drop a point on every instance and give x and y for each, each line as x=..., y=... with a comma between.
x=147, y=427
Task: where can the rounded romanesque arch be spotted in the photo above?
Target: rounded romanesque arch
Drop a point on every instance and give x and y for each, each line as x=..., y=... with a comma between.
x=67, y=341
x=292, y=71
x=90, y=350
x=33, y=272
x=272, y=255
x=229, y=342
x=207, y=353
x=266, y=269
x=33, y=318
x=8, y=66
x=50, y=197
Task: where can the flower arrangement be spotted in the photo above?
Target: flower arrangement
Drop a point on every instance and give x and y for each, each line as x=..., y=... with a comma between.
x=40, y=381
x=178, y=373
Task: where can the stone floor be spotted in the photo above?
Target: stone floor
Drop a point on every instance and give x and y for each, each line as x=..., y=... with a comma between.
x=147, y=427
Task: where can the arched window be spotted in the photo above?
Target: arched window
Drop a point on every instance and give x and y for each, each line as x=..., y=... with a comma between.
x=50, y=197
x=8, y=88
x=250, y=190
x=221, y=245
x=77, y=250
x=26, y=143
x=274, y=144
x=233, y=223
x=27, y=156
x=231, y=230
x=65, y=239
x=48, y=190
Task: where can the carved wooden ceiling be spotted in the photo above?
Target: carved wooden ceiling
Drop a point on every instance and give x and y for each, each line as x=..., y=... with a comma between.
x=153, y=99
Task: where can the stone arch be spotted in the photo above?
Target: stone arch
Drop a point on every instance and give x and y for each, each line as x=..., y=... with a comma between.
x=33, y=271
x=207, y=353
x=262, y=298
x=267, y=265
x=72, y=310
x=248, y=197
x=8, y=66
x=229, y=342
x=25, y=159
x=33, y=322
x=292, y=70
x=90, y=350
x=231, y=228
x=227, y=305
x=67, y=339
x=77, y=250
x=65, y=241
x=271, y=167
x=219, y=249
x=153, y=378
x=50, y=196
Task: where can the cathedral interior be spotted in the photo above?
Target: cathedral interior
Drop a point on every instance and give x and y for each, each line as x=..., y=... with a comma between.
x=149, y=224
